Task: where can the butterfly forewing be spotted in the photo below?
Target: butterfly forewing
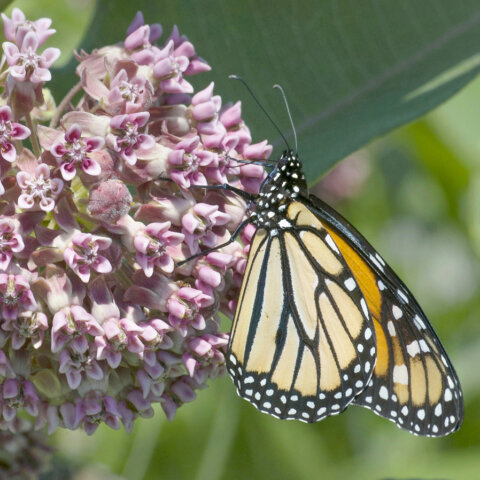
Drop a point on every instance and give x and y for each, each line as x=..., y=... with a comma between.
x=414, y=383
x=302, y=344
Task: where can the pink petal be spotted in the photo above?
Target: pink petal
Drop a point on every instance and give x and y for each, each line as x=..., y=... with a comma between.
x=49, y=56
x=102, y=265
x=19, y=132
x=30, y=42
x=68, y=171
x=40, y=75
x=90, y=166
x=94, y=143
x=6, y=114
x=25, y=201
x=73, y=133
x=9, y=153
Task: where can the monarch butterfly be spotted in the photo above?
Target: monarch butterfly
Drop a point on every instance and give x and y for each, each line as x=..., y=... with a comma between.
x=322, y=322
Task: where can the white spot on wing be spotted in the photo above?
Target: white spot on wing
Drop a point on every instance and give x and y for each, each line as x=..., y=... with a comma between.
x=376, y=263
x=381, y=285
x=400, y=374
x=391, y=328
x=413, y=348
x=331, y=243
x=397, y=312
x=424, y=346
x=383, y=392
x=363, y=303
x=419, y=323
x=438, y=410
x=350, y=284
x=402, y=295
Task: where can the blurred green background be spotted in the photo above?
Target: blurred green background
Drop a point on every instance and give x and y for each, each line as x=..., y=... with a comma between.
x=414, y=193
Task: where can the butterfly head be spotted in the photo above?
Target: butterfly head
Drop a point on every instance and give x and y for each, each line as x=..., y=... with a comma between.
x=284, y=183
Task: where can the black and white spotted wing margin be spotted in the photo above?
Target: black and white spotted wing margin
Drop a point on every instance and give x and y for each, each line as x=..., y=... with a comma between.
x=302, y=344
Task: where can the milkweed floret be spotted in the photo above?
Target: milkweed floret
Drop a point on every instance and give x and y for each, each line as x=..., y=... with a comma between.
x=98, y=321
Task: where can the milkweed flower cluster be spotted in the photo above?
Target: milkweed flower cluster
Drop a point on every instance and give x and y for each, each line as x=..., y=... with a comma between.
x=98, y=321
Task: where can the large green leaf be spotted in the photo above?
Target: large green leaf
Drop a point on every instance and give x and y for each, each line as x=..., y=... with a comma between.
x=352, y=69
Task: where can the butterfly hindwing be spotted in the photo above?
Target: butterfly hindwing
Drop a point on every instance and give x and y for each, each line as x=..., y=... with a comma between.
x=302, y=344
x=414, y=384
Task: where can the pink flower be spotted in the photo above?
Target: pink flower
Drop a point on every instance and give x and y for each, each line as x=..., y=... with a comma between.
x=75, y=150
x=126, y=139
x=206, y=357
x=129, y=93
x=98, y=322
x=38, y=188
x=77, y=367
x=154, y=247
x=15, y=295
x=83, y=255
x=94, y=409
x=9, y=132
x=10, y=241
x=184, y=47
x=120, y=334
x=205, y=109
x=18, y=26
x=184, y=309
x=17, y=394
x=201, y=226
x=169, y=68
x=187, y=160
x=70, y=326
x=154, y=31
x=28, y=326
x=26, y=64
x=154, y=336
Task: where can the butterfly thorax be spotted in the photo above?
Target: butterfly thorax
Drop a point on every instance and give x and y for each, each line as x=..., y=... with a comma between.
x=282, y=186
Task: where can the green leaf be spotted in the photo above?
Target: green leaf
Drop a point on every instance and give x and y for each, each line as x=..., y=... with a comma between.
x=352, y=70
x=4, y=4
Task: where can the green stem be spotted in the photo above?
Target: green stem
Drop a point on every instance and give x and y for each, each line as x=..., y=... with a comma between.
x=31, y=125
x=64, y=103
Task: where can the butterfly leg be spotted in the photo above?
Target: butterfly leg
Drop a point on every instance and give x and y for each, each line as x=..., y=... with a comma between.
x=228, y=242
x=228, y=188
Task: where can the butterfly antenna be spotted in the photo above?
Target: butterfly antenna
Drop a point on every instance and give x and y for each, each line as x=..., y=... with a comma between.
x=289, y=115
x=236, y=77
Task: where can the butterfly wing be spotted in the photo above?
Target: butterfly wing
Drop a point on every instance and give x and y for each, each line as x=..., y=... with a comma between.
x=414, y=384
x=302, y=344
